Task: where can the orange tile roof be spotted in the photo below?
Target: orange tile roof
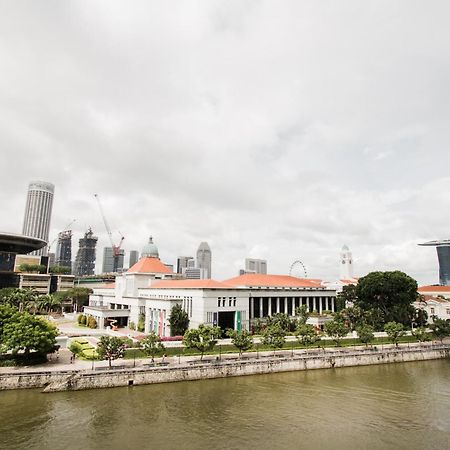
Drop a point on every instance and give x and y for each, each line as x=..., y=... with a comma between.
x=190, y=284
x=109, y=286
x=349, y=281
x=149, y=265
x=434, y=289
x=260, y=280
x=432, y=298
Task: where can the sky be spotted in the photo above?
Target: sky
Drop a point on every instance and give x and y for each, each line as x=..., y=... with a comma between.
x=274, y=130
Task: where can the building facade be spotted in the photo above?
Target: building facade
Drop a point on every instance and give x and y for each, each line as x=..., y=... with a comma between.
x=255, y=266
x=63, y=255
x=183, y=263
x=133, y=258
x=443, y=253
x=108, y=260
x=38, y=212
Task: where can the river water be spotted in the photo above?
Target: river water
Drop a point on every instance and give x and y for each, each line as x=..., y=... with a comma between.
x=396, y=406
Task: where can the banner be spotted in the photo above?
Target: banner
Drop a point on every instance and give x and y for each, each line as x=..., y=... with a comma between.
x=238, y=321
x=215, y=319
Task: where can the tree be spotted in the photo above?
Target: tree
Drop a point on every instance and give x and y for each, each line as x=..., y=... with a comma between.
x=306, y=334
x=59, y=270
x=91, y=322
x=355, y=316
x=365, y=333
x=75, y=348
x=29, y=333
x=394, y=331
x=78, y=296
x=440, y=328
x=346, y=298
x=421, y=334
x=280, y=319
x=204, y=338
x=8, y=314
x=336, y=329
x=274, y=336
x=110, y=348
x=302, y=314
x=242, y=340
x=179, y=321
x=152, y=345
x=23, y=299
x=390, y=293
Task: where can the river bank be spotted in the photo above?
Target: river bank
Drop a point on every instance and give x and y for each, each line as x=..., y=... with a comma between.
x=231, y=366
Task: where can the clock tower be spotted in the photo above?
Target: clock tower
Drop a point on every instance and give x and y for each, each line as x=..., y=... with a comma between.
x=346, y=264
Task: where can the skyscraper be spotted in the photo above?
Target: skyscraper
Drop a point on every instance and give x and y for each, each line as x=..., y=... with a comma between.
x=134, y=258
x=63, y=255
x=255, y=266
x=182, y=262
x=443, y=252
x=346, y=266
x=38, y=211
x=108, y=260
x=204, y=258
x=85, y=260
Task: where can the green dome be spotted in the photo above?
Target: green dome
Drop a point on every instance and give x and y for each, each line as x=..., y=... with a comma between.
x=150, y=250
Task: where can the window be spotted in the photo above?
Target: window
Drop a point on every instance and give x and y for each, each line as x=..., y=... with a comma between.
x=432, y=310
x=234, y=302
x=229, y=302
x=218, y=302
x=448, y=311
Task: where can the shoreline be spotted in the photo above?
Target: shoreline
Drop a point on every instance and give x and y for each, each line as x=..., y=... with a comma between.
x=103, y=377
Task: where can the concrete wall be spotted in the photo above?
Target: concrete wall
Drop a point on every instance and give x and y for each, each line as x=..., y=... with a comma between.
x=78, y=380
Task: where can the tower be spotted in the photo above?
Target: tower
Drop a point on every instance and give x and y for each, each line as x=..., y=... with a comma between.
x=346, y=264
x=204, y=258
x=38, y=211
x=108, y=260
x=64, y=249
x=85, y=260
x=443, y=252
x=134, y=258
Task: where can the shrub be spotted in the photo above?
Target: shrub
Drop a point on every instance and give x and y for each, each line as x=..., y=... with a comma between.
x=92, y=323
x=132, y=326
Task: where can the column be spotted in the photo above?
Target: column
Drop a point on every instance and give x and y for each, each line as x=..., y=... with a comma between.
x=314, y=303
x=260, y=307
x=285, y=305
x=327, y=307
x=252, y=308
x=333, y=307
x=293, y=306
x=270, y=306
x=320, y=304
x=278, y=304
x=147, y=321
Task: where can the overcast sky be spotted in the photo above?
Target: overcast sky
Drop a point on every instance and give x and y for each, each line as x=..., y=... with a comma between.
x=273, y=129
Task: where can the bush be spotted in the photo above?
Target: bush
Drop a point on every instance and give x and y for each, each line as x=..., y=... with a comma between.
x=132, y=326
x=82, y=319
x=91, y=323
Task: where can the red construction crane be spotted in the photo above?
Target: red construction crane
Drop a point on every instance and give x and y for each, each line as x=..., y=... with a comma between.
x=115, y=248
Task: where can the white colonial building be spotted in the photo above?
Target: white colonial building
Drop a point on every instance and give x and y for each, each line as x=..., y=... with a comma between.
x=149, y=290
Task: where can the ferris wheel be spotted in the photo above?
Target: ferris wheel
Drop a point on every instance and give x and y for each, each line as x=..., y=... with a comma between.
x=298, y=270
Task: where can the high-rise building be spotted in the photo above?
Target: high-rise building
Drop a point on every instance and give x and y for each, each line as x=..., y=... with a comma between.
x=182, y=262
x=108, y=260
x=204, y=258
x=63, y=255
x=85, y=260
x=255, y=266
x=195, y=273
x=346, y=265
x=443, y=252
x=38, y=211
x=134, y=258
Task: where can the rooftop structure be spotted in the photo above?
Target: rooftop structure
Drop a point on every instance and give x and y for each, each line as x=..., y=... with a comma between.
x=443, y=252
x=20, y=244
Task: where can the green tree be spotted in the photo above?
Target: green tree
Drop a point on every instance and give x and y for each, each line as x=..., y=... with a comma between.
x=59, y=270
x=152, y=345
x=365, y=333
x=91, y=322
x=204, y=338
x=306, y=334
x=421, y=334
x=302, y=314
x=29, y=333
x=77, y=296
x=75, y=348
x=179, y=321
x=346, y=298
x=390, y=293
x=440, y=328
x=336, y=329
x=110, y=348
x=274, y=336
x=394, y=331
x=8, y=314
x=354, y=316
x=281, y=319
x=242, y=340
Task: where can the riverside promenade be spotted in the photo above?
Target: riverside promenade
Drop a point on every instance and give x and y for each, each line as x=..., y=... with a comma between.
x=60, y=375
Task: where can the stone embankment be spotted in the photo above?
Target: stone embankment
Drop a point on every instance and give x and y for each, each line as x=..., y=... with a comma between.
x=195, y=370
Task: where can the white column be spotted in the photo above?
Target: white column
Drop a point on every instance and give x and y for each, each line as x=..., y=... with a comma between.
x=314, y=304
x=320, y=305
x=285, y=305
x=252, y=308
x=278, y=304
x=260, y=307
x=270, y=306
x=147, y=321
x=333, y=304
x=293, y=306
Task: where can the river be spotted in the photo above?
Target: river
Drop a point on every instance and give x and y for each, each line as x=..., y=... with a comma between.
x=396, y=406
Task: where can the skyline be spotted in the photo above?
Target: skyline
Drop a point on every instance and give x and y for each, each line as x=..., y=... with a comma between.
x=279, y=132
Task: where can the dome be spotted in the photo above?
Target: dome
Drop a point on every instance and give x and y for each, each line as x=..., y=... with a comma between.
x=345, y=248
x=150, y=250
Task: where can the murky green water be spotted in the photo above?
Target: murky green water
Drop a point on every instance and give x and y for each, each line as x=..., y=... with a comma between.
x=398, y=406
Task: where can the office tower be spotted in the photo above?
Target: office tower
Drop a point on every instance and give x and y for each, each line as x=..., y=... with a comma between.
x=255, y=266
x=182, y=262
x=108, y=260
x=204, y=258
x=443, y=252
x=63, y=255
x=38, y=211
x=134, y=258
x=195, y=273
x=85, y=260
x=346, y=265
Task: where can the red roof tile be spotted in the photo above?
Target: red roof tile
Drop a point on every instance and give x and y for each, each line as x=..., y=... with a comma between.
x=260, y=280
x=434, y=289
x=149, y=265
x=190, y=284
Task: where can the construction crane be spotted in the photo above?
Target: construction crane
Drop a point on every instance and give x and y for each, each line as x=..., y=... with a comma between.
x=115, y=248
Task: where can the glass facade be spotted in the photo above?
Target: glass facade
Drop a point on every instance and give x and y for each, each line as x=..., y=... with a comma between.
x=444, y=264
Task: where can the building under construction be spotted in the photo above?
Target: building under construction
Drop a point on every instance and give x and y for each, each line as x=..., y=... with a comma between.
x=85, y=260
x=64, y=249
